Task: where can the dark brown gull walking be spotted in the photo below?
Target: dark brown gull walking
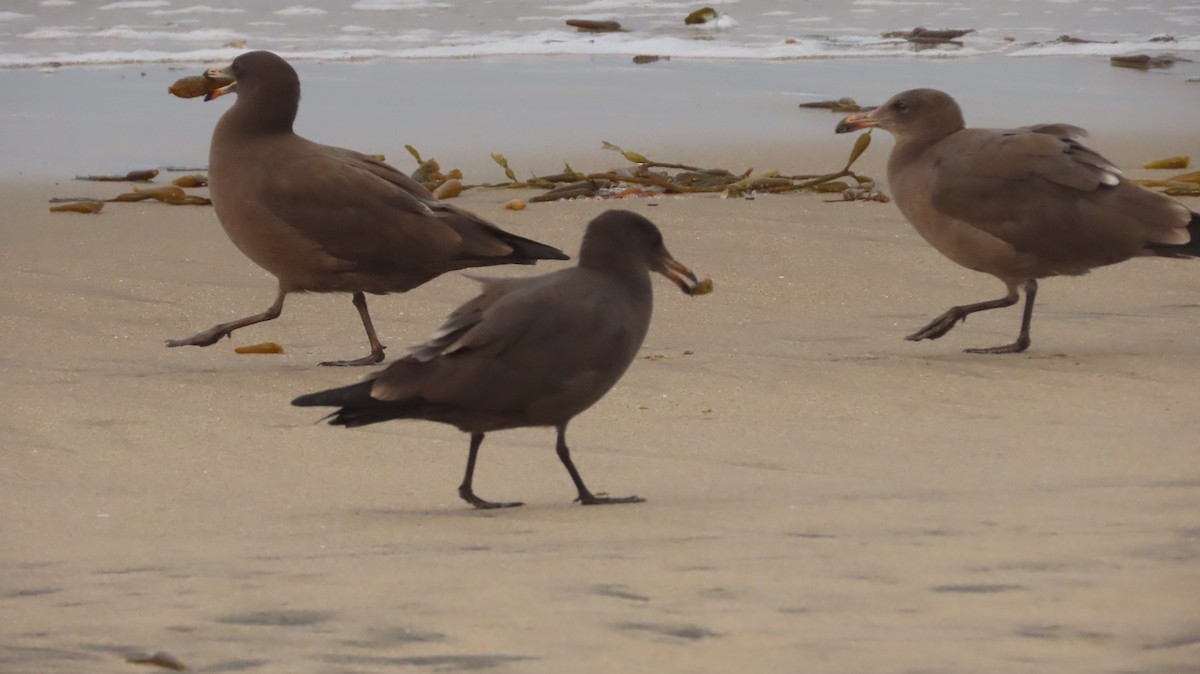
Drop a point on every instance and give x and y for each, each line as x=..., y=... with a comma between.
x=528, y=351
x=326, y=219
x=1019, y=204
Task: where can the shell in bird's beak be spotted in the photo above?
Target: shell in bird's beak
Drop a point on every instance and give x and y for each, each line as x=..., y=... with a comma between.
x=217, y=76
x=683, y=277
x=856, y=122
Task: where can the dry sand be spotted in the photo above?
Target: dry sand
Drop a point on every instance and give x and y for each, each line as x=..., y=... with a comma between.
x=822, y=496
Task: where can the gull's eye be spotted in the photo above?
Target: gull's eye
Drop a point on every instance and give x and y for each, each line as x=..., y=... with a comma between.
x=900, y=106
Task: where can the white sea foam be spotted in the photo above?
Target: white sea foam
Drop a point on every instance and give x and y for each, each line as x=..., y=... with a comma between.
x=135, y=4
x=297, y=10
x=594, y=5
x=1108, y=48
x=384, y=5
x=196, y=9
x=414, y=29
x=898, y=3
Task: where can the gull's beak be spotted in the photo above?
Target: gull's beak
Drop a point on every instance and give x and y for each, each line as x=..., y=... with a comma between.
x=220, y=75
x=856, y=122
x=683, y=277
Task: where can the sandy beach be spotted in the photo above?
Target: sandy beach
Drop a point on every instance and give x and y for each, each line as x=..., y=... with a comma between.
x=822, y=496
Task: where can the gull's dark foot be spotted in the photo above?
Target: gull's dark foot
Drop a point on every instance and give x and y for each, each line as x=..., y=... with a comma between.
x=206, y=338
x=370, y=359
x=1018, y=346
x=591, y=499
x=470, y=497
x=938, y=326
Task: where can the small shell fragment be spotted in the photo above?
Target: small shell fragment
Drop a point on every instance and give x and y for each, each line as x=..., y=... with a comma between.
x=264, y=348
x=515, y=205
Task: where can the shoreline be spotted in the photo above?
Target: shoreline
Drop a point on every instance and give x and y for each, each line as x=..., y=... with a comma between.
x=557, y=110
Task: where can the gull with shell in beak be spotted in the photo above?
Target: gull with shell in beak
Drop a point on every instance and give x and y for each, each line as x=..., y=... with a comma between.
x=326, y=219
x=531, y=351
x=1020, y=204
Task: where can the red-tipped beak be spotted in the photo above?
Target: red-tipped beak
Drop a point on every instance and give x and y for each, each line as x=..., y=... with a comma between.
x=683, y=277
x=856, y=122
x=220, y=75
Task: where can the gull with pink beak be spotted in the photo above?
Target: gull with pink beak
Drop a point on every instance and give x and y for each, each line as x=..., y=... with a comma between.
x=1020, y=204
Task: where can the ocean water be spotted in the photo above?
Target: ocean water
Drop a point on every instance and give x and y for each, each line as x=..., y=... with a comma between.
x=460, y=79
x=57, y=33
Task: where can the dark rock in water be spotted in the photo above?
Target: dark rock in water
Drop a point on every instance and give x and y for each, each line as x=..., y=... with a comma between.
x=648, y=58
x=1069, y=39
x=923, y=35
x=589, y=26
x=1142, y=61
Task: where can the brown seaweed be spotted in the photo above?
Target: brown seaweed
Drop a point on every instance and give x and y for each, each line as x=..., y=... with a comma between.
x=589, y=26
x=1182, y=190
x=265, y=348
x=582, y=188
x=197, y=85
x=841, y=105
x=86, y=206
x=718, y=178
x=1180, y=162
x=140, y=176
x=650, y=178
x=429, y=172
x=193, y=180
x=700, y=16
x=167, y=194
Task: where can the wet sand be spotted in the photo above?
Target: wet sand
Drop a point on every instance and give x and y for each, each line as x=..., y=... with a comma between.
x=821, y=494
